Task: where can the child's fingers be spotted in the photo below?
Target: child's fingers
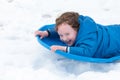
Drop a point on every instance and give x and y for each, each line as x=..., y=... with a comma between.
x=52, y=48
x=36, y=33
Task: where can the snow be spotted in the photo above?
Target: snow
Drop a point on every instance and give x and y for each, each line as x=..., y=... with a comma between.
x=23, y=58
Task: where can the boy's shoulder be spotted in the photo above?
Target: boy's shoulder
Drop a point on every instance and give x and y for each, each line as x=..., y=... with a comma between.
x=87, y=25
x=85, y=18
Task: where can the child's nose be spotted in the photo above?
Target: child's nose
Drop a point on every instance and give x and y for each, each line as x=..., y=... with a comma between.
x=64, y=38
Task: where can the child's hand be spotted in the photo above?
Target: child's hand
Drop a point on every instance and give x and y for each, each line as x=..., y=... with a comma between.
x=56, y=47
x=42, y=34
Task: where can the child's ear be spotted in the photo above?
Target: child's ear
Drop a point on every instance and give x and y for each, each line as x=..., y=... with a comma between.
x=76, y=29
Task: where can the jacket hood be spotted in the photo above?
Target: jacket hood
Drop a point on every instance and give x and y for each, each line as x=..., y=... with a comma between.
x=87, y=26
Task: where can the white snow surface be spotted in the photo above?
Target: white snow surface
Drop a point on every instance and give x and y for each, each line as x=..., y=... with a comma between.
x=23, y=58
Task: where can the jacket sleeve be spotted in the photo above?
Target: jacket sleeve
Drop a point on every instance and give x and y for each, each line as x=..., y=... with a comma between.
x=86, y=47
x=52, y=33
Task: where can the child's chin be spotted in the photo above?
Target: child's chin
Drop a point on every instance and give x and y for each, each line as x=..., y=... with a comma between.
x=69, y=44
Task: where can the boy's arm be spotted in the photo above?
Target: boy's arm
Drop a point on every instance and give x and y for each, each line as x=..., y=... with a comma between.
x=86, y=47
x=52, y=33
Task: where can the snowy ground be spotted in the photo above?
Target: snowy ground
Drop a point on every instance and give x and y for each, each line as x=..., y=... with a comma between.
x=23, y=58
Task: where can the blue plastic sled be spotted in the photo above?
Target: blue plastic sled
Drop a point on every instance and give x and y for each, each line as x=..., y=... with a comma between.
x=47, y=42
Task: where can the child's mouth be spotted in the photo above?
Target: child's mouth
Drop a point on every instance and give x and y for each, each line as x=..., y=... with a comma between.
x=68, y=42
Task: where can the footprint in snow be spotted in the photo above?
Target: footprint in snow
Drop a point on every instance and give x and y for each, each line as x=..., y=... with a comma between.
x=10, y=1
x=46, y=16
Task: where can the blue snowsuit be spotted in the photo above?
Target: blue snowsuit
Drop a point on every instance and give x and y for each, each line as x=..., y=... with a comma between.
x=95, y=40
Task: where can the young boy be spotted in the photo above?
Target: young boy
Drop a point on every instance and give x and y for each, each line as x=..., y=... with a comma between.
x=84, y=37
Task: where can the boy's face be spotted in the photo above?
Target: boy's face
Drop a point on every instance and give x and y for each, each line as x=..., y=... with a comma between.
x=67, y=34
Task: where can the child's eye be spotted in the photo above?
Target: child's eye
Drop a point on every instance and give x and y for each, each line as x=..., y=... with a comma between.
x=67, y=34
x=60, y=35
